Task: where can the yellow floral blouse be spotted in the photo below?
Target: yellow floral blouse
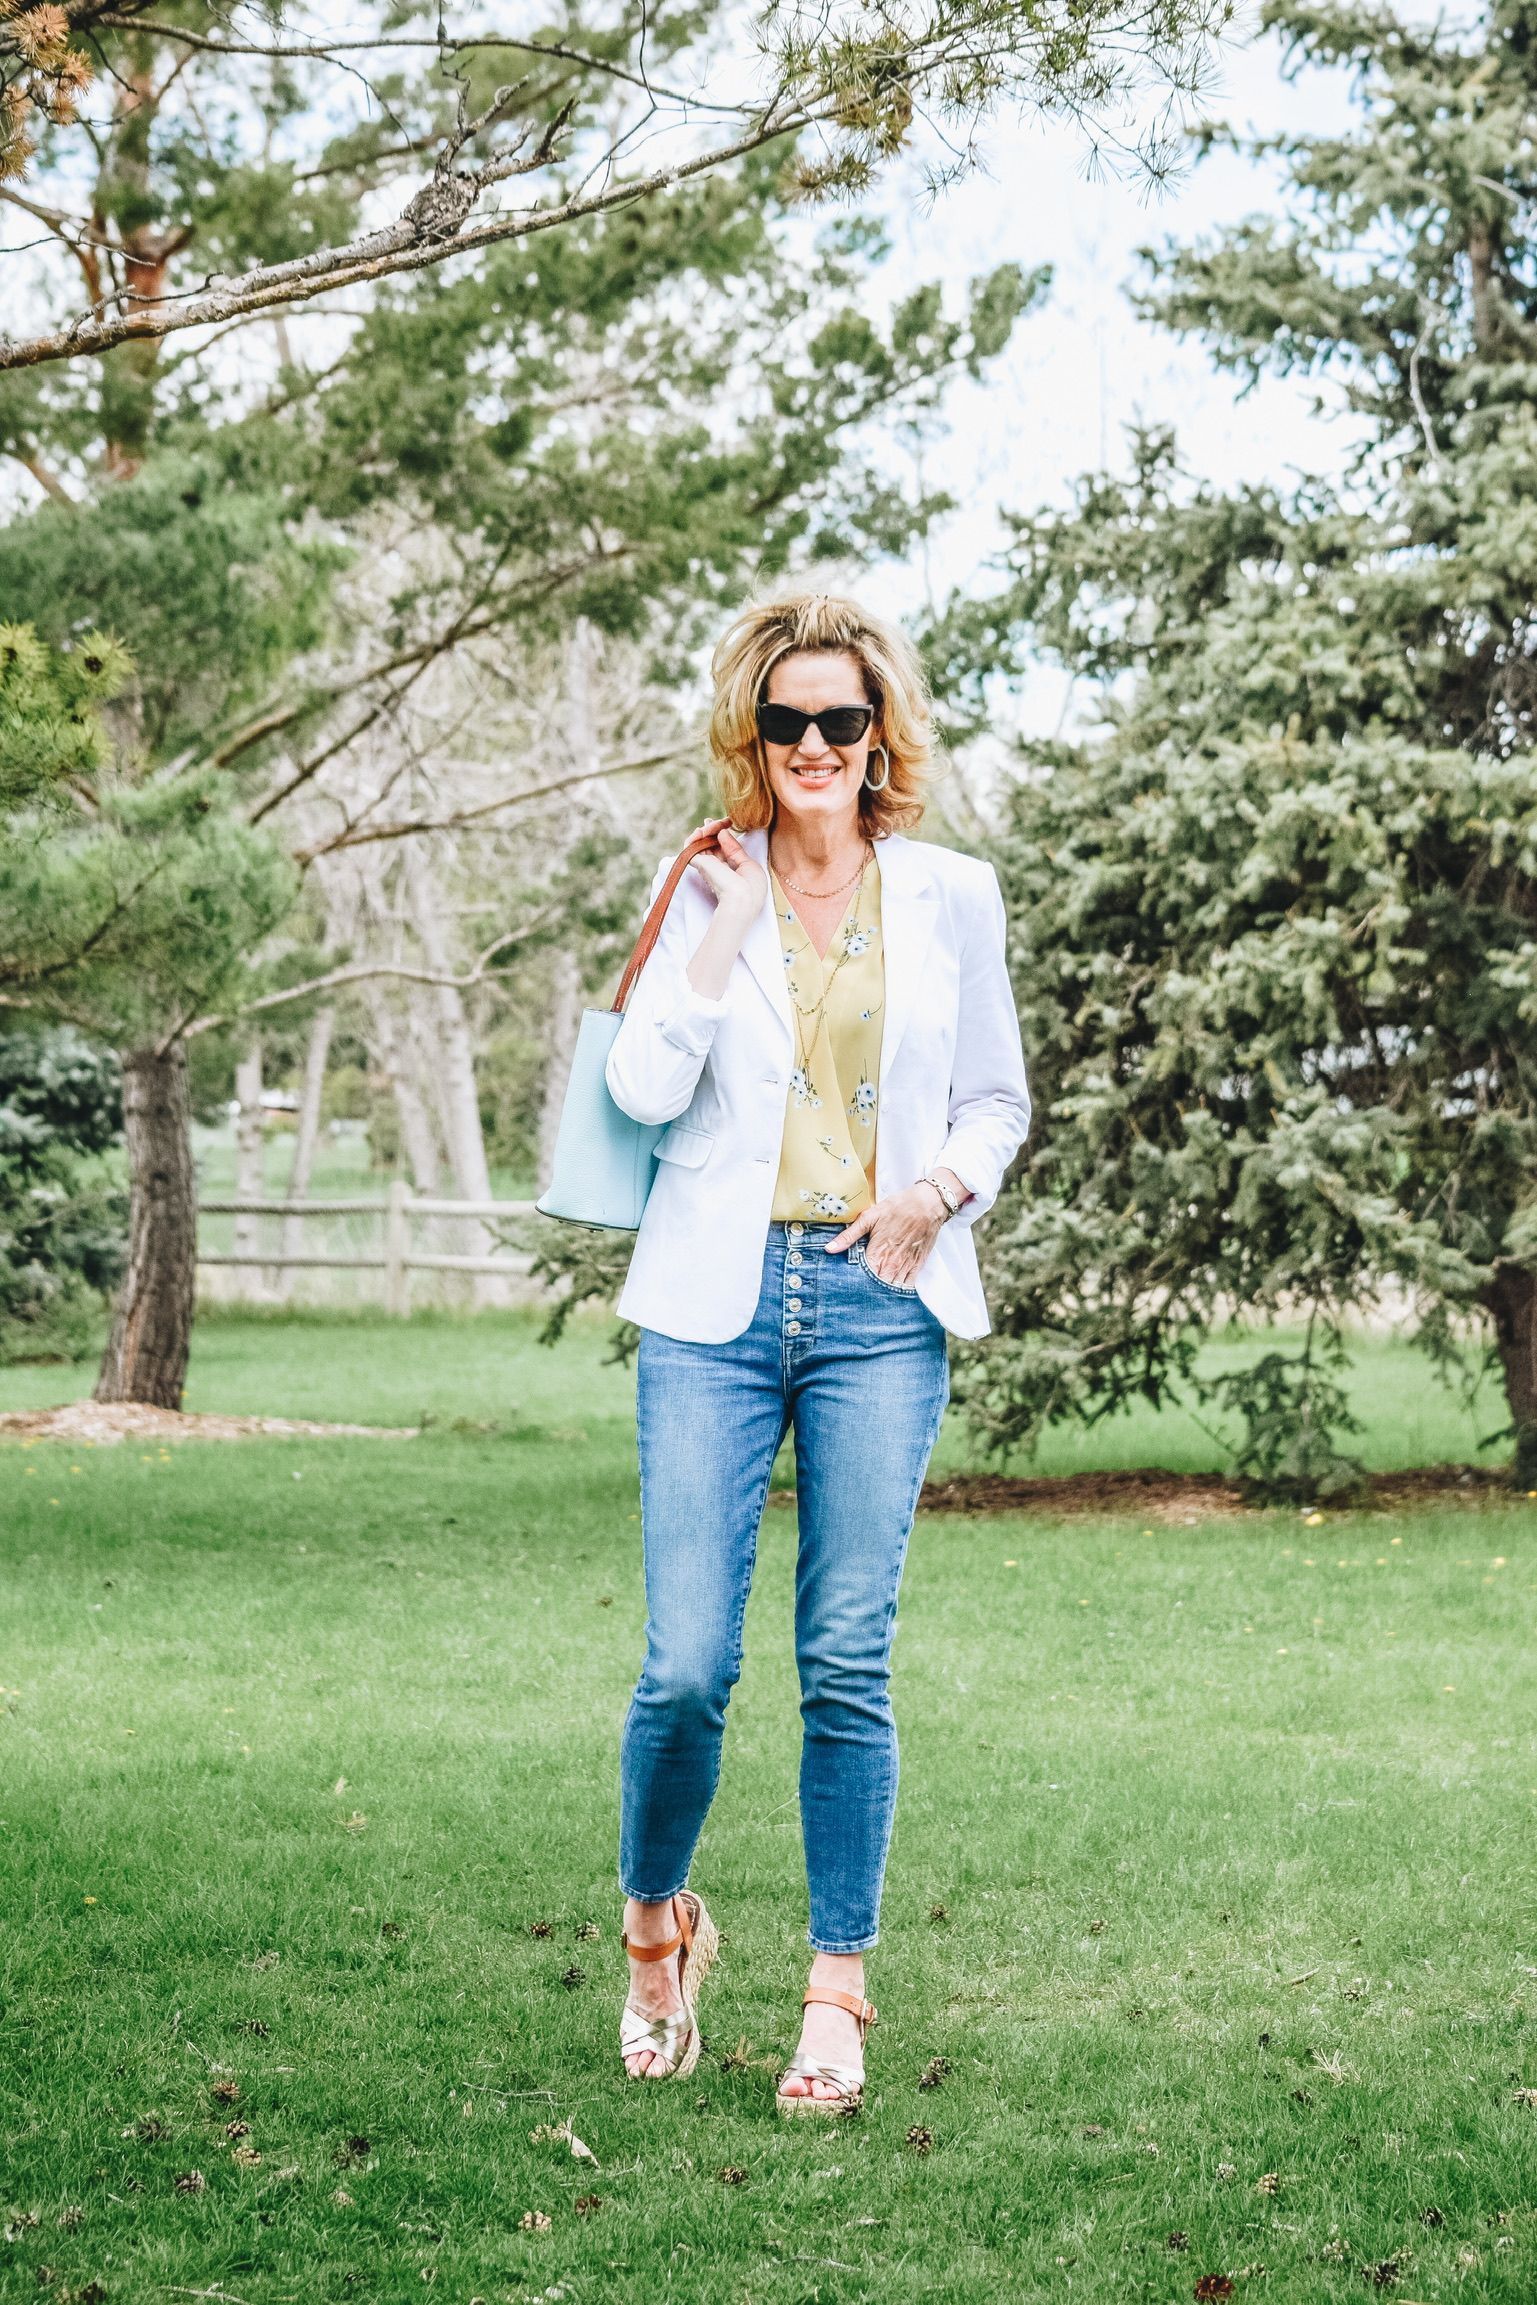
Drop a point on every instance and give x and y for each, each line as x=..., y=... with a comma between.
x=827, y=1158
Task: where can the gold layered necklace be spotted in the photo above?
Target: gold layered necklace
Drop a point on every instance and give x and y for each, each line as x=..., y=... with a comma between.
x=818, y=1010
x=856, y=874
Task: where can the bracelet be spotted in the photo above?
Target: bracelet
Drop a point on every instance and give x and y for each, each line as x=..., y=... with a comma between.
x=952, y=1205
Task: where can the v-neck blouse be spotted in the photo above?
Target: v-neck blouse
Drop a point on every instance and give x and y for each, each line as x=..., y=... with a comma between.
x=827, y=1155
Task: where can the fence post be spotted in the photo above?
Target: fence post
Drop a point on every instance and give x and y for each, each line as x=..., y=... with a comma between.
x=397, y=1247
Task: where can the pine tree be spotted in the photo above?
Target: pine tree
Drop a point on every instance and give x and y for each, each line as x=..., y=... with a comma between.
x=1276, y=917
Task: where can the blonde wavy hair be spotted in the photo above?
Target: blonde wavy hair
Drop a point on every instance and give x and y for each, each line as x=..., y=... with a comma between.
x=794, y=624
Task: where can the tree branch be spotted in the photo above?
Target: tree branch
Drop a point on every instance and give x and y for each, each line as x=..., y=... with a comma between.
x=355, y=837
x=460, y=629
x=466, y=626
x=360, y=972
x=281, y=716
x=473, y=620
x=410, y=245
x=311, y=768
x=322, y=51
x=77, y=236
x=37, y=972
x=47, y=481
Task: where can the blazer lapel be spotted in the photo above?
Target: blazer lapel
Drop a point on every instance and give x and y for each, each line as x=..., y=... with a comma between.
x=909, y=913
x=762, y=948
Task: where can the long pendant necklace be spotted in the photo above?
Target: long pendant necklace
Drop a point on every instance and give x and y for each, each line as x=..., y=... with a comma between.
x=819, y=1008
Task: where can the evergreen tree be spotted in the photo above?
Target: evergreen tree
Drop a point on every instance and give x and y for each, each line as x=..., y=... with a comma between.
x=62, y=1215
x=617, y=425
x=129, y=902
x=1276, y=917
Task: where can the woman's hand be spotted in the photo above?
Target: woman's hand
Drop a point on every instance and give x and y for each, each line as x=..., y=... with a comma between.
x=900, y=1232
x=736, y=880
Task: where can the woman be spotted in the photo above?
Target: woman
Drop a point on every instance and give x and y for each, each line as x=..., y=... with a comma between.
x=827, y=1023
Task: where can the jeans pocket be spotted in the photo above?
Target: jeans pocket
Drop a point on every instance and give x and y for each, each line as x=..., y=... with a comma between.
x=892, y=1288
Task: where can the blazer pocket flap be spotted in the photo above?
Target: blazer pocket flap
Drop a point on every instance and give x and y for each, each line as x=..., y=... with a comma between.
x=690, y=1147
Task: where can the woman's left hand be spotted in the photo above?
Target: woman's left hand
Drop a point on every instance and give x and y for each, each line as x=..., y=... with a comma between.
x=900, y=1231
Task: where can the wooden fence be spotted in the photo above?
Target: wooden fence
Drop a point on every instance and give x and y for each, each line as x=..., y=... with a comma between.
x=395, y=1253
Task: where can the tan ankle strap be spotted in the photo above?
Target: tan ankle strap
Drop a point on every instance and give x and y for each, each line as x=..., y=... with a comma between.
x=855, y=2003
x=684, y=1936
x=651, y=1952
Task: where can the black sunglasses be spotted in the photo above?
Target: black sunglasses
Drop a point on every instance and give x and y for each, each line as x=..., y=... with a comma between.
x=840, y=723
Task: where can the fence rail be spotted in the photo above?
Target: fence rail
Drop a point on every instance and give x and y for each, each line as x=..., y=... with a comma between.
x=398, y=1256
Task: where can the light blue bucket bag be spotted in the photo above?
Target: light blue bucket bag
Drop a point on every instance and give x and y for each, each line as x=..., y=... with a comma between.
x=604, y=1161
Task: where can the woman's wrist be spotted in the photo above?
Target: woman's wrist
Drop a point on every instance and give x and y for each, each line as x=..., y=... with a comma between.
x=709, y=970
x=948, y=1189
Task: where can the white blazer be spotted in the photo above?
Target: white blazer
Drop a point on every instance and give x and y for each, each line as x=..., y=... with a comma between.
x=951, y=1082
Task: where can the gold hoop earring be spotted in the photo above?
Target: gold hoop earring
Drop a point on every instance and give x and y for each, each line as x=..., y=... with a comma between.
x=870, y=783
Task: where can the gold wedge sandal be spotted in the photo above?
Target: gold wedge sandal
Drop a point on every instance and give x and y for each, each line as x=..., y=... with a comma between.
x=676, y=2039
x=849, y=2082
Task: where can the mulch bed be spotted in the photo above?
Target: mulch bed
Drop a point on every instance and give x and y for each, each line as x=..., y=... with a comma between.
x=1177, y=1499
x=100, y=1424
x=1184, y=1498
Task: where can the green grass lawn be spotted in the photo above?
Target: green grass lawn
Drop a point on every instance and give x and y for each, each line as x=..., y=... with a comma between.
x=1213, y=1865
x=489, y=1368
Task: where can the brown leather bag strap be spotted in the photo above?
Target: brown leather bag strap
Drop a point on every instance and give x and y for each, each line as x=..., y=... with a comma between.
x=651, y=928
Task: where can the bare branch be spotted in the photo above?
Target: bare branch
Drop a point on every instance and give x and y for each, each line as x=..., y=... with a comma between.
x=470, y=619
x=281, y=716
x=473, y=620
x=468, y=625
x=77, y=234
x=322, y=52
x=308, y=769
x=47, y=481
x=358, y=837
x=359, y=972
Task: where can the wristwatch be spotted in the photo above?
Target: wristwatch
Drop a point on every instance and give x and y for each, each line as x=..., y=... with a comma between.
x=946, y=1195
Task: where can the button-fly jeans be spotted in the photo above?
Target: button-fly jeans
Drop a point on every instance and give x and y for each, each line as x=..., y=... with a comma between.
x=860, y=1369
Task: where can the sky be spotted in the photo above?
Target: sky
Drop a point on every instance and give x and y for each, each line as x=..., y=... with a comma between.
x=1084, y=366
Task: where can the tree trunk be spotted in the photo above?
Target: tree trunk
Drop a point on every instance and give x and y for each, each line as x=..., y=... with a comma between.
x=146, y=1355
x=564, y=1023
x=458, y=1093
x=250, y=1168
x=308, y=1133
x=461, y=1097
x=1512, y=1299
x=417, y=1142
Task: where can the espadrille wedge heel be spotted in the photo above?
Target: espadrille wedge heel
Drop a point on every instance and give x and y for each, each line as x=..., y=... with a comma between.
x=675, y=2039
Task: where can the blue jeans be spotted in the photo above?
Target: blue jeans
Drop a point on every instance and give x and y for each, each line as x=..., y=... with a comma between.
x=861, y=1369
